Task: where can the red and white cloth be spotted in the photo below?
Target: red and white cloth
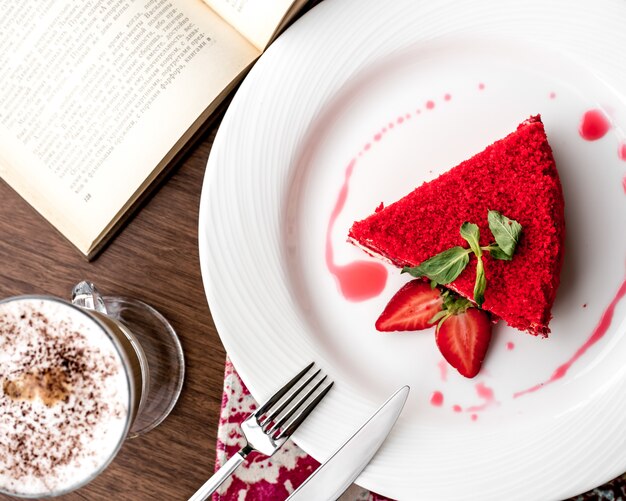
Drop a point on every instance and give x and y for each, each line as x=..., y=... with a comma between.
x=261, y=478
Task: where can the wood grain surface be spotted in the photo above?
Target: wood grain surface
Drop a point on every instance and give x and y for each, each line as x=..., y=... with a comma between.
x=155, y=259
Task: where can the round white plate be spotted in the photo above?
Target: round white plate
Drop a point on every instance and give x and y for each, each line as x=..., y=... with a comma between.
x=352, y=82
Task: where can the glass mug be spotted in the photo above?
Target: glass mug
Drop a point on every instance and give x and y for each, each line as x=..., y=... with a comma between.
x=77, y=379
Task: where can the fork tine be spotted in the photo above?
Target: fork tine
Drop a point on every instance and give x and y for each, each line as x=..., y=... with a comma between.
x=279, y=394
x=295, y=407
x=280, y=408
x=299, y=418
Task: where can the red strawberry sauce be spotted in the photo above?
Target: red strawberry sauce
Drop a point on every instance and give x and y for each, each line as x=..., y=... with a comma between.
x=359, y=280
x=486, y=395
x=443, y=370
x=593, y=125
x=597, y=334
x=436, y=399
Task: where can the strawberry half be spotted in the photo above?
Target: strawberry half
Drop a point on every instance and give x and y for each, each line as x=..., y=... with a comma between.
x=411, y=308
x=463, y=338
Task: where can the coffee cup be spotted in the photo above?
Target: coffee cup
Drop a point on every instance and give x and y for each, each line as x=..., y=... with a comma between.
x=74, y=384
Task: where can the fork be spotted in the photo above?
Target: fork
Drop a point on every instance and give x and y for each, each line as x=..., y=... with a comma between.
x=269, y=427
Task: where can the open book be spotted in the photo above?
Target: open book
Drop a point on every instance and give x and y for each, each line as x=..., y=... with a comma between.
x=98, y=96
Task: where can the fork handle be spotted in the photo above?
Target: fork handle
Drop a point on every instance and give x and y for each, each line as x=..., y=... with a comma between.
x=226, y=470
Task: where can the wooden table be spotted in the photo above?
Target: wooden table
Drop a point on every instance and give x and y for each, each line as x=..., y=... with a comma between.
x=155, y=259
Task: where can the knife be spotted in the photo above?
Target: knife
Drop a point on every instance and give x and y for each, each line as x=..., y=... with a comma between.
x=331, y=479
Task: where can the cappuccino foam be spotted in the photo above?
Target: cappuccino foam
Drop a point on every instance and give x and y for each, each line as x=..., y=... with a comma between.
x=64, y=397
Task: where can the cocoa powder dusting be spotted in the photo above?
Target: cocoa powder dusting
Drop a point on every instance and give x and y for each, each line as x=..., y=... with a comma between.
x=52, y=397
x=51, y=385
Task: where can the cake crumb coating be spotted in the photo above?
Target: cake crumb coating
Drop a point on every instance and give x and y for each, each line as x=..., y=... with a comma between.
x=515, y=176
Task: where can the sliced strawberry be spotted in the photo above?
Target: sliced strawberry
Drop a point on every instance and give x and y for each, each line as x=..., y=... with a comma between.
x=411, y=308
x=463, y=339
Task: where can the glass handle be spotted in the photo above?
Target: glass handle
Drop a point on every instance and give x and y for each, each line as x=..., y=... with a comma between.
x=85, y=295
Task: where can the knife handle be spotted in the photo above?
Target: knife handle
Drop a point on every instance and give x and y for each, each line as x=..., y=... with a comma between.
x=227, y=469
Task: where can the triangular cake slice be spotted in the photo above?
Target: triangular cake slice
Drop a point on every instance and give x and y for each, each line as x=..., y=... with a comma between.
x=515, y=176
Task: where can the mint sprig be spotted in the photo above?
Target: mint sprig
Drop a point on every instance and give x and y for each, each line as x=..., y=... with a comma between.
x=471, y=233
x=446, y=266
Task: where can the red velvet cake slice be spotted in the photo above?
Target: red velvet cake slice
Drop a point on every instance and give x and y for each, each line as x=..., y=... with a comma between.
x=515, y=176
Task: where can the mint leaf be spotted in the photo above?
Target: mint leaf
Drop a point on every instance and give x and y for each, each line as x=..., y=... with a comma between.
x=471, y=233
x=506, y=231
x=497, y=253
x=443, y=268
x=481, y=283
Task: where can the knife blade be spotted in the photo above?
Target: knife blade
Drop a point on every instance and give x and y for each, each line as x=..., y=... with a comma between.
x=331, y=479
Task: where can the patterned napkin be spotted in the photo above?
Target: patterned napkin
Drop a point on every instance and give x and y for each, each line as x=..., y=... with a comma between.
x=263, y=478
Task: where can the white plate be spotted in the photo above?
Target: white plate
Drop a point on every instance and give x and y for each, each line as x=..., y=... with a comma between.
x=317, y=100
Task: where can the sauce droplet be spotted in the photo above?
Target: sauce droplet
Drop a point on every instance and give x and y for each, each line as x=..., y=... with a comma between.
x=360, y=280
x=484, y=391
x=593, y=125
x=436, y=399
x=621, y=151
x=486, y=394
x=430, y=105
x=510, y=346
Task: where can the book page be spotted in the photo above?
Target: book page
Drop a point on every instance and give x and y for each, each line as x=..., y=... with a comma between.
x=258, y=21
x=96, y=95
